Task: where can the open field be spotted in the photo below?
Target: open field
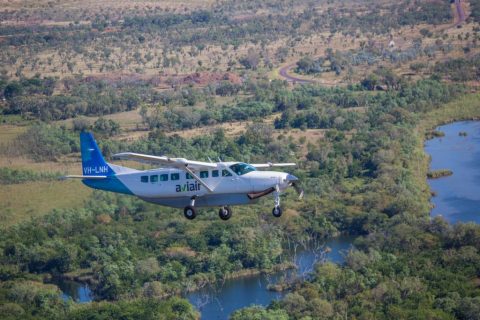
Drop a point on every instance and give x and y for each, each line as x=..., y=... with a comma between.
x=28, y=200
x=9, y=132
x=36, y=8
x=128, y=120
x=150, y=57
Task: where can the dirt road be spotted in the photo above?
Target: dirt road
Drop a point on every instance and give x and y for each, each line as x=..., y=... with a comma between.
x=461, y=16
x=284, y=74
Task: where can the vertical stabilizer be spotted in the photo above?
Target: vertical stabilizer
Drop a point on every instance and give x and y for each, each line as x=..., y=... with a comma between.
x=93, y=163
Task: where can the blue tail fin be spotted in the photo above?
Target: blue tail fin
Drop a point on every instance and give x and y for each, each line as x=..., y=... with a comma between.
x=93, y=163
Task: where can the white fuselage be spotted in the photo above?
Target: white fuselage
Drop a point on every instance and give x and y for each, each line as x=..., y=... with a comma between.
x=170, y=183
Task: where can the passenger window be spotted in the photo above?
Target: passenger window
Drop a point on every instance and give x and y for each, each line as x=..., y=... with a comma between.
x=226, y=173
x=175, y=176
x=214, y=173
x=188, y=176
x=144, y=179
x=203, y=174
x=154, y=179
x=164, y=177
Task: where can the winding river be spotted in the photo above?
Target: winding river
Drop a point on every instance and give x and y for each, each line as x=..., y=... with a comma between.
x=457, y=196
x=218, y=302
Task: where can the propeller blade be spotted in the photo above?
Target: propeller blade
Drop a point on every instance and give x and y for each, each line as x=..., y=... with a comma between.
x=295, y=183
x=299, y=190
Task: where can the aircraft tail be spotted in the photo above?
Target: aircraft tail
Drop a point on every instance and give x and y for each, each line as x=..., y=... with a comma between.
x=93, y=163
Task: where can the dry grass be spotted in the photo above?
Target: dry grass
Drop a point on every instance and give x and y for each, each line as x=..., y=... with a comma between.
x=128, y=120
x=106, y=4
x=232, y=129
x=213, y=57
x=68, y=164
x=9, y=132
x=24, y=201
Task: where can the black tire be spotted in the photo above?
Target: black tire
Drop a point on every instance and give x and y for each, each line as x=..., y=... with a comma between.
x=189, y=212
x=277, y=212
x=225, y=213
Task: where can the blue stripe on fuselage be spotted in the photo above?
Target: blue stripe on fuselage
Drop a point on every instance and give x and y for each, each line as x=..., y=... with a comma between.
x=111, y=183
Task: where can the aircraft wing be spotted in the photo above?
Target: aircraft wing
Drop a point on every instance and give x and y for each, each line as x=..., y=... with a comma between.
x=270, y=165
x=179, y=163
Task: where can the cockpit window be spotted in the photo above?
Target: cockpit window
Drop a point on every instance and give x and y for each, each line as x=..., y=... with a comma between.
x=242, y=168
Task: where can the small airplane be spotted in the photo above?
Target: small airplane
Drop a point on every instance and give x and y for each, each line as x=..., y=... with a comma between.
x=182, y=183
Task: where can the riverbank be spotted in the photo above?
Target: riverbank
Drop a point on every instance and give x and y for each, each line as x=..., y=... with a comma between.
x=466, y=107
x=85, y=278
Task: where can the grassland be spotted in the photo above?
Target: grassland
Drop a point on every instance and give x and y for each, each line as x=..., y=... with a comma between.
x=33, y=199
x=9, y=132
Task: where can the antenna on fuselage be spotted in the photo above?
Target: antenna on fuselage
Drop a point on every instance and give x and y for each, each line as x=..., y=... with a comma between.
x=219, y=160
x=209, y=159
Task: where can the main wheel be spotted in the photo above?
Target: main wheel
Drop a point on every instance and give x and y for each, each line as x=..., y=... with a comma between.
x=277, y=212
x=189, y=212
x=225, y=213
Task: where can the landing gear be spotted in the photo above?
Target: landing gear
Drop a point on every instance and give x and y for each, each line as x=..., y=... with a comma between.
x=277, y=211
x=225, y=213
x=189, y=212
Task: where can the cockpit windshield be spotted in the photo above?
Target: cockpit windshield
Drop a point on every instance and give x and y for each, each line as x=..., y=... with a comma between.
x=242, y=168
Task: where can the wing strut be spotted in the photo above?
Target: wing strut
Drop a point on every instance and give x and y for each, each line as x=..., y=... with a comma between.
x=198, y=179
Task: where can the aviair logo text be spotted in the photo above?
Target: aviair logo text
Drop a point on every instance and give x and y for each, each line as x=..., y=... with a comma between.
x=188, y=187
x=95, y=170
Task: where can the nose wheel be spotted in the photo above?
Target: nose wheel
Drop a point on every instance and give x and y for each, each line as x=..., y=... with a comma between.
x=225, y=213
x=277, y=211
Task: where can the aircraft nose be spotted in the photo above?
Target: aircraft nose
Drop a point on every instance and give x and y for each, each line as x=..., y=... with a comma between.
x=291, y=178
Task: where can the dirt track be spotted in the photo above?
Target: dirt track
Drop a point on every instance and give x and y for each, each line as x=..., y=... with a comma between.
x=461, y=16
x=284, y=74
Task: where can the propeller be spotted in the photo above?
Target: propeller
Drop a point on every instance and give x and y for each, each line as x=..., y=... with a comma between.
x=295, y=183
x=299, y=190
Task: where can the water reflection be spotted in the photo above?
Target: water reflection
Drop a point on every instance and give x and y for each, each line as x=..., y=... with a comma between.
x=78, y=292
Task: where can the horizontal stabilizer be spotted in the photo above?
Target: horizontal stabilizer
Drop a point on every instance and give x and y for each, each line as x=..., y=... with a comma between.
x=83, y=177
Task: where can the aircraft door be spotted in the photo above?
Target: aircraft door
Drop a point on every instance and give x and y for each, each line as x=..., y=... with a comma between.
x=235, y=182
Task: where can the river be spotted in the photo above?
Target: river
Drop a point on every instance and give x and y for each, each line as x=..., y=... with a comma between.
x=218, y=302
x=457, y=196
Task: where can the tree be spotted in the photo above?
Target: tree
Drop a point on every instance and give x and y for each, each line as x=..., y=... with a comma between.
x=12, y=90
x=305, y=64
x=251, y=60
x=370, y=82
x=106, y=127
x=259, y=313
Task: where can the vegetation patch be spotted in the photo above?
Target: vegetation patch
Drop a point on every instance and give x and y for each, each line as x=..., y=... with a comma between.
x=435, y=174
x=13, y=176
x=434, y=134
